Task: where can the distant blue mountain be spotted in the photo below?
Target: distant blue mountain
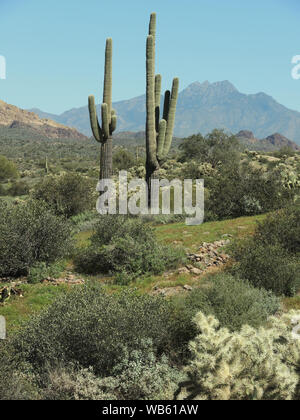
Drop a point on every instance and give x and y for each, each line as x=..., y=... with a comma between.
x=201, y=108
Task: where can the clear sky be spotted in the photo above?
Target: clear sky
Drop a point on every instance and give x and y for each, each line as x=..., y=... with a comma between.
x=54, y=49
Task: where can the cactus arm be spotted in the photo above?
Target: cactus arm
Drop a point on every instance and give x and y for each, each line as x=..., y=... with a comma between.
x=107, y=89
x=113, y=124
x=161, y=139
x=166, y=105
x=150, y=104
x=97, y=131
x=157, y=90
x=171, y=116
x=157, y=100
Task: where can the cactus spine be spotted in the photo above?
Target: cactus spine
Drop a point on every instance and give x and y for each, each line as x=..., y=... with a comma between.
x=103, y=134
x=159, y=133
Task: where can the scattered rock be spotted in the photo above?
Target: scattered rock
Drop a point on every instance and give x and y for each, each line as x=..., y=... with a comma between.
x=188, y=288
x=183, y=270
x=208, y=255
x=196, y=271
x=69, y=279
x=8, y=291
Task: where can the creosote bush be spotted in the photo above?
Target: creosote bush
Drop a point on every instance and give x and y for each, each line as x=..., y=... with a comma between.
x=126, y=245
x=232, y=301
x=69, y=194
x=30, y=233
x=270, y=258
x=282, y=227
x=93, y=328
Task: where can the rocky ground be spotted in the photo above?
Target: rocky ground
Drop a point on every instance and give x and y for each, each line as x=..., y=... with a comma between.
x=207, y=257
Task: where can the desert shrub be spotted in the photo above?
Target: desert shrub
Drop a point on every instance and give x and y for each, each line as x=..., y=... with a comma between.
x=235, y=303
x=8, y=169
x=73, y=384
x=215, y=148
x=232, y=301
x=281, y=227
x=89, y=327
x=41, y=271
x=17, y=380
x=123, y=160
x=85, y=221
x=125, y=245
x=246, y=365
x=140, y=375
x=18, y=188
x=68, y=194
x=30, y=233
x=3, y=190
x=270, y=258
x=267, y=266
x=240, y=190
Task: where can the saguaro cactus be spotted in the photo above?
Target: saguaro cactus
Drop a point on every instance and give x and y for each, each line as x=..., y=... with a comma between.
x=103, y=134
x=159, y=133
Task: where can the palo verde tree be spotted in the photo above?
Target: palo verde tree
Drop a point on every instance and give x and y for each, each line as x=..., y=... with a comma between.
x=103, y=134
x=159, y=132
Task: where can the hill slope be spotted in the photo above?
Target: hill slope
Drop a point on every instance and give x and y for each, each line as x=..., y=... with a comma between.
x=201, y=108
x=15, y=118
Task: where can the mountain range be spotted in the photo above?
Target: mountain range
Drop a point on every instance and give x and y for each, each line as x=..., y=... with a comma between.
x=201, y=108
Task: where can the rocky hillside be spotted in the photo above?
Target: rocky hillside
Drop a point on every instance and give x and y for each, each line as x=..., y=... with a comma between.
x=201, y=108
x=274, y=142
x=16, y=118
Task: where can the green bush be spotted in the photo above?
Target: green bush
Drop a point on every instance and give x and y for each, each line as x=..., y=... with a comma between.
x=268, y=266
x=17, y=380
x=68, y=194
x=139, y=376
x=270, y=259
x=235, y=303
x=18, y=189
x=123, y=160
x=281, y=227
x=215, y=148
x=90, y=327
x=74, y=384
x=8, y=169
x=240, y=190
x=3, y=190
x=30, y=233
x=42, y=271
x=126, y=245
x=232, y=301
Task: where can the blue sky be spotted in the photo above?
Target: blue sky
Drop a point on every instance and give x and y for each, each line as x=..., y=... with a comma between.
x=54, y=49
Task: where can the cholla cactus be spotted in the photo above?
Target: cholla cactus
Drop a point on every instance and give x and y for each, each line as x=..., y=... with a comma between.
x=109, y=120
x=247, y=365
x=159, y=132
x=290, y=178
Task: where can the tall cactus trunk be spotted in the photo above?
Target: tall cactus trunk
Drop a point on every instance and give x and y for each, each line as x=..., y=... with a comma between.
x=103, y=134
x=106, y=159
x=151, y=173
x=159, y=133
